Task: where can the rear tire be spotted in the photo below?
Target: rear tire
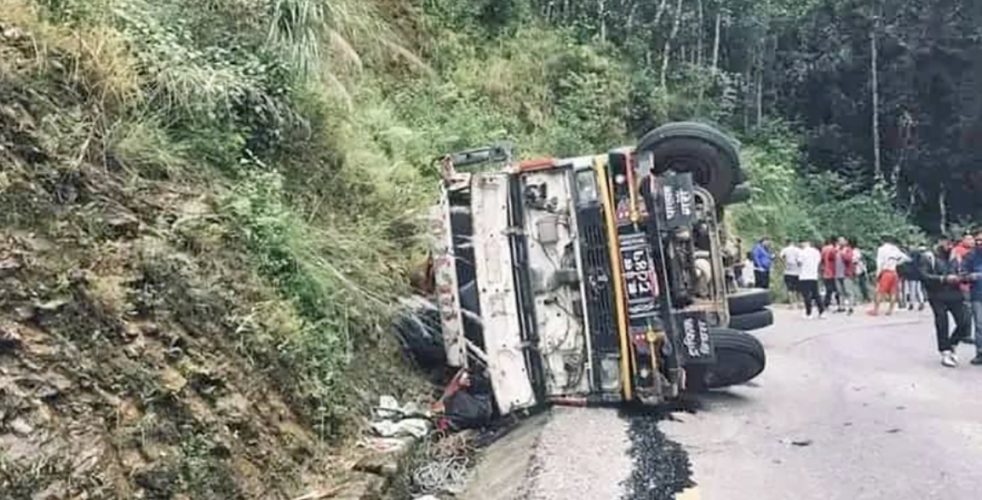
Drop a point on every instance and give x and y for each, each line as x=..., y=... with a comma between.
x=739, y=358
x=752, y=321
x=748, y=301
x=702, y=150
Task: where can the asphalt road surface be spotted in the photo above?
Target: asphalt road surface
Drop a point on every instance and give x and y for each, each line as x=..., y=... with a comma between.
x=850, y=407
x=853, y=408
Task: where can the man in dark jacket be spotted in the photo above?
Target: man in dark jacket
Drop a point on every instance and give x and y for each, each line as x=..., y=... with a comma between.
x=972, y=265
x=939, y=271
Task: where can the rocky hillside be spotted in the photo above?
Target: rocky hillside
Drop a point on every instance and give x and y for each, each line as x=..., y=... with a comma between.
x=144, y=352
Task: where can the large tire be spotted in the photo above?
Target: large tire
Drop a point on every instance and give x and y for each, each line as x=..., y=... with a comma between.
x=710, y=155
x=752, y=321
x=748, y=301
x=739, y=358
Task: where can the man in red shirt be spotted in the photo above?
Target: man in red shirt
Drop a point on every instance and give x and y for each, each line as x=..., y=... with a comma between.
x=845, y=274
x=963, y=247
x=829, y=253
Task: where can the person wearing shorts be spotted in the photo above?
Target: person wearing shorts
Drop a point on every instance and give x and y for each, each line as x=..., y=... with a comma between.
x=888, y=257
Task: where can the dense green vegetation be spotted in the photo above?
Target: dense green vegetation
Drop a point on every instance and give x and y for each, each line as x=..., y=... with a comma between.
x=308, y=128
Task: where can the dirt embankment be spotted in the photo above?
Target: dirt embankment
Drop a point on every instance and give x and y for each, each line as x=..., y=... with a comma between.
x=132, y=330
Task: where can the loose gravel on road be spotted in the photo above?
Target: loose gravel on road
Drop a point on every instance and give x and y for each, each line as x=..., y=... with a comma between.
x=605, y=454
x=660, y=466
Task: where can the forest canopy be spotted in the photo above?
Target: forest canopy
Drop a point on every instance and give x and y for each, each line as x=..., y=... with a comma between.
x=811, y=64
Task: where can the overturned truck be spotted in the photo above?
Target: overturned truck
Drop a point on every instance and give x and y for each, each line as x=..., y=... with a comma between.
x=595, y=279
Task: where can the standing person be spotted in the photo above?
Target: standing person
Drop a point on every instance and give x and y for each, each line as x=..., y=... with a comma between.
x=747, y=271
x=972, y=265
x=939, y=271
x=912, y=290
x=961, y=250
x=862, y=276
x=829, y=254
x=845, y=272
x=964, y=247
x=888, y=256
x=761, y=255
x=810, y=259
x=792, y=267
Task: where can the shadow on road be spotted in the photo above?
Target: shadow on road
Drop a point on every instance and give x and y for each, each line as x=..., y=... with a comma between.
x=724, y=399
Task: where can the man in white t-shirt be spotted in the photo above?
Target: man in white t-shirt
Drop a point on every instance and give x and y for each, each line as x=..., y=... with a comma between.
x=809, y=260
x=888, y=257
x=747, y=272
x=789, y=256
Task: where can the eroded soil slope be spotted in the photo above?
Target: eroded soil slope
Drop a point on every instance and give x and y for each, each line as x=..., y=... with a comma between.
x=135, y=358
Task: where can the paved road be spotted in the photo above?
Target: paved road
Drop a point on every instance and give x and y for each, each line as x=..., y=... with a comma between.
x=853, y=408
x=882, y=419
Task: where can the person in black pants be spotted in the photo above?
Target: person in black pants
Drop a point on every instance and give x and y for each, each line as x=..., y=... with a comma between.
x=809, y=260
x=939, y=271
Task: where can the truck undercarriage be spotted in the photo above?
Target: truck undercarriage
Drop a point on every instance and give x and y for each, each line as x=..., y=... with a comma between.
x=594, y=279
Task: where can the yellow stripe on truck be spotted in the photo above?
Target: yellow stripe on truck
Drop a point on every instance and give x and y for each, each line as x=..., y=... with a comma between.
x=614, y=249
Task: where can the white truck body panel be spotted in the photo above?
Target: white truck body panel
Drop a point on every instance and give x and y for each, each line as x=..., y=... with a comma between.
x=499, y=311
x=552, y=250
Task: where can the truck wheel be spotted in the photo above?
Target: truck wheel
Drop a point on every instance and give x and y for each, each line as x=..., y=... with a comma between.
x=702, y=150
x=748, y=301
x=739, y=358
x=752, y=321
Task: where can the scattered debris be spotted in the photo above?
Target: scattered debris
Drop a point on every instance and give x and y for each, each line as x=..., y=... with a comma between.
x=382, y=464
x=52, y=305
x=20, y=427
x=796, y=442
x=415, y=427
x=893, y=431
x=9, y=338
x=24, y=313
x=8, y=265
x=443, y=465
x=320, y=494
